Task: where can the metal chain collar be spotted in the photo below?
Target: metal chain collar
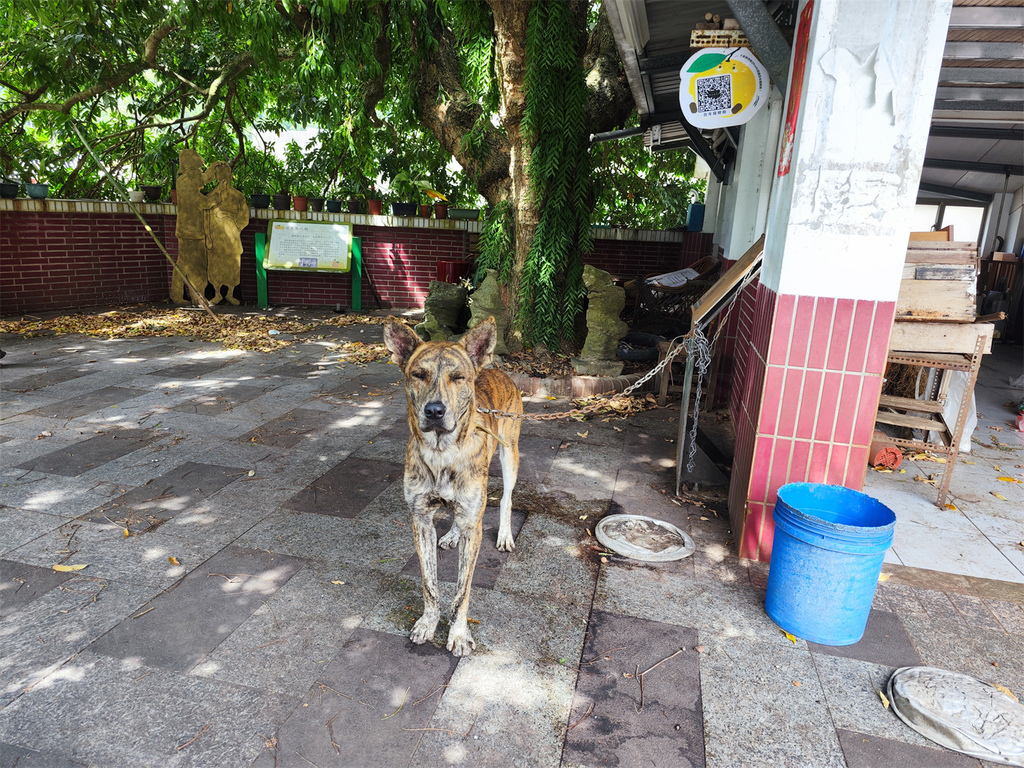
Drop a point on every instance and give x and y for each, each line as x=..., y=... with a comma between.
x=675, y=349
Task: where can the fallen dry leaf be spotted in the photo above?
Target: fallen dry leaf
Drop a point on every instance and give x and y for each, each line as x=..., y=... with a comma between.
x=584, y=434
x=127, y=533
x=885, y=701
x=884, y=577
x=66, y=568
x=1008, y=479
x=999, y=496
x=1005, y=690
x=790, y=637
x=173, y=560
x=337, y=582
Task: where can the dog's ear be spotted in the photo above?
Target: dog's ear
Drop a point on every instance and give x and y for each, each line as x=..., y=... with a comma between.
x=480, y=341
x=401, y=340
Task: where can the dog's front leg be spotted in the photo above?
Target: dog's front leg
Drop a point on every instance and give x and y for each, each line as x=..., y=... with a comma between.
x=426, y=547
x=470, y=522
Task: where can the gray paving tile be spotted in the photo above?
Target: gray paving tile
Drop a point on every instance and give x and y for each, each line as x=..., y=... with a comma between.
x=763, y=706
x=20, y=584
x=885, y=642
x=851, y=691
x=488, y=563
x=497, y=712
x=220, y=401
x=584, y=473
x=288, y=430
x=550, y=559
x=40, y=638
x=987, y=655
x=376, y=696
x=345, y=489
x=938, y=605
x=91, y=453
x=87, y=403
x=975, y=612
x=111, y=713
x=536, y=454
x=19, y=526
x=16, y=757
x=902, y=599
x=191, y=619
x=46, y=378
x=109, y=555
x=284, y=645
x=722, y=609
x=862, y=751
x=608, y=725
x=300, y=369
x=177, y=491
x=378, y=383
x=191, y=370
x=1010, y=615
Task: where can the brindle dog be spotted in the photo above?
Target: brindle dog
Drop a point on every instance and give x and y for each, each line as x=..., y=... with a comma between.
x=449, y=453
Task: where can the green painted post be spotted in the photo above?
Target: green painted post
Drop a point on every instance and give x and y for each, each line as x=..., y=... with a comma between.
x=357, y=274
x=262, y=298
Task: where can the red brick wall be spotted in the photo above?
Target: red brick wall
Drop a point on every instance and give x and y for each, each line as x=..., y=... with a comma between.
x=63, y=260
x=60, y=260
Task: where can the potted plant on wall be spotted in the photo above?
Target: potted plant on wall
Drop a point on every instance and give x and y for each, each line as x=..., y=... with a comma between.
x=282, y=199
x=255, y=176
x=374, y=202
x=34, y=170
x=407, y=191
x=334, y=198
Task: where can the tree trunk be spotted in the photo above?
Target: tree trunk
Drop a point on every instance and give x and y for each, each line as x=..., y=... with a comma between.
x=510, y=18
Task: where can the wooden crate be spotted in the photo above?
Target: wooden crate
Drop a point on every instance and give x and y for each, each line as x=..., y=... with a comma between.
x=940, y=282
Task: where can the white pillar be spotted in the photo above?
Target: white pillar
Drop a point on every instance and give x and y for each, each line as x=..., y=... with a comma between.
x=840, y=215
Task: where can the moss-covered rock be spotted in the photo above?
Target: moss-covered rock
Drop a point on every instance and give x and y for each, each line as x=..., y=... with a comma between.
x=441, y=310
x=486, y=302
x=604, y=328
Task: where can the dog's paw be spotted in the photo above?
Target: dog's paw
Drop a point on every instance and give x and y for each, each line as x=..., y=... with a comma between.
x=450, y=539
x=423, y=629
x=460, y=642
x=505, y=541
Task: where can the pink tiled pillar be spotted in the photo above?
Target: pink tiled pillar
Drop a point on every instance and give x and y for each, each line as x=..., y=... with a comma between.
x=806, y=412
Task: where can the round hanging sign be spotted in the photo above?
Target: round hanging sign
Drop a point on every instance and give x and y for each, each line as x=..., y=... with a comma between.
x=719, y=87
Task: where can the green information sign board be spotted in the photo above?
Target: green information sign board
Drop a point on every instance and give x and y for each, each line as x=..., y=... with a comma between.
x=310, y=246
x=263, y=264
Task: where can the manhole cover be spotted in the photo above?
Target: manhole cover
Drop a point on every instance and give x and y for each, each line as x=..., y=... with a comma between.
x=644, y=538
x=960, y=712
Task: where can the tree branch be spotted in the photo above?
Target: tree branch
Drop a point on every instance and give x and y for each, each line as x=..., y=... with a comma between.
x=448, y=111
x=148, y=61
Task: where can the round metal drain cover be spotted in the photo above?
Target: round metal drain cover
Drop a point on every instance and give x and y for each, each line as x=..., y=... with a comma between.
x=644, y=538
x=959, y=712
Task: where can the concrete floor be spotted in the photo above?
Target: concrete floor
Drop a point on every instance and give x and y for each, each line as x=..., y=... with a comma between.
x=250, y=581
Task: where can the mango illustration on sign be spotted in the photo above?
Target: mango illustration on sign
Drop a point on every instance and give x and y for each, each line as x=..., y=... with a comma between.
x=719, y=87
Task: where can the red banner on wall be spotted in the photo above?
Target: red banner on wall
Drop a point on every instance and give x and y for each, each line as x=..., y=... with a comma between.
x=796, y=87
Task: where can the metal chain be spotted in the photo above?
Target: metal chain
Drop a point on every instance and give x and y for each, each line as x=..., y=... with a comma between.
x=697, y=341
x=678, y=346
x=703, y=361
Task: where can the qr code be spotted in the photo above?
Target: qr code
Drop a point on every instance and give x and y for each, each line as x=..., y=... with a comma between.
x=307, y=262
x=714, y=94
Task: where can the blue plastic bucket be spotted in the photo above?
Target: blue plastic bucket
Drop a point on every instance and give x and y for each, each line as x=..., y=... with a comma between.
x=826, y=558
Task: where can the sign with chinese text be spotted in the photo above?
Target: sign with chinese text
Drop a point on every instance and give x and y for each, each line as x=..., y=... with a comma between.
x=308, y=246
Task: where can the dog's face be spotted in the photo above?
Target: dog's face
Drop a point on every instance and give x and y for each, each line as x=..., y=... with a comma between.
x=440, y=377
